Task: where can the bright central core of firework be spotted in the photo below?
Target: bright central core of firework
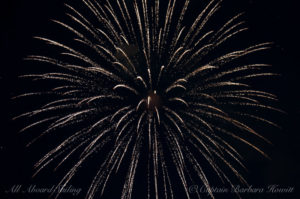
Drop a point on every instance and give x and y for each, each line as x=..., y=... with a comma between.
x=153, y=100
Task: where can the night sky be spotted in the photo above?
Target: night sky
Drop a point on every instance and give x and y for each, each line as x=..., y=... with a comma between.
x=268, y=20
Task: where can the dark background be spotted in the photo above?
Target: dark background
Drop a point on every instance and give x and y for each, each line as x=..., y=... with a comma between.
x=268, y=20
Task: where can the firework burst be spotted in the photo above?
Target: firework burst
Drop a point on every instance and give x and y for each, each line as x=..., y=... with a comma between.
x=142, y=82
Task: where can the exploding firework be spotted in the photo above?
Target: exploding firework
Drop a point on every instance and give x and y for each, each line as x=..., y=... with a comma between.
x=140, y=82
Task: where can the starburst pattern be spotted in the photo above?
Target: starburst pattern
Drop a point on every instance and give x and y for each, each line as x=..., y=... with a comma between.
x=148, y=87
